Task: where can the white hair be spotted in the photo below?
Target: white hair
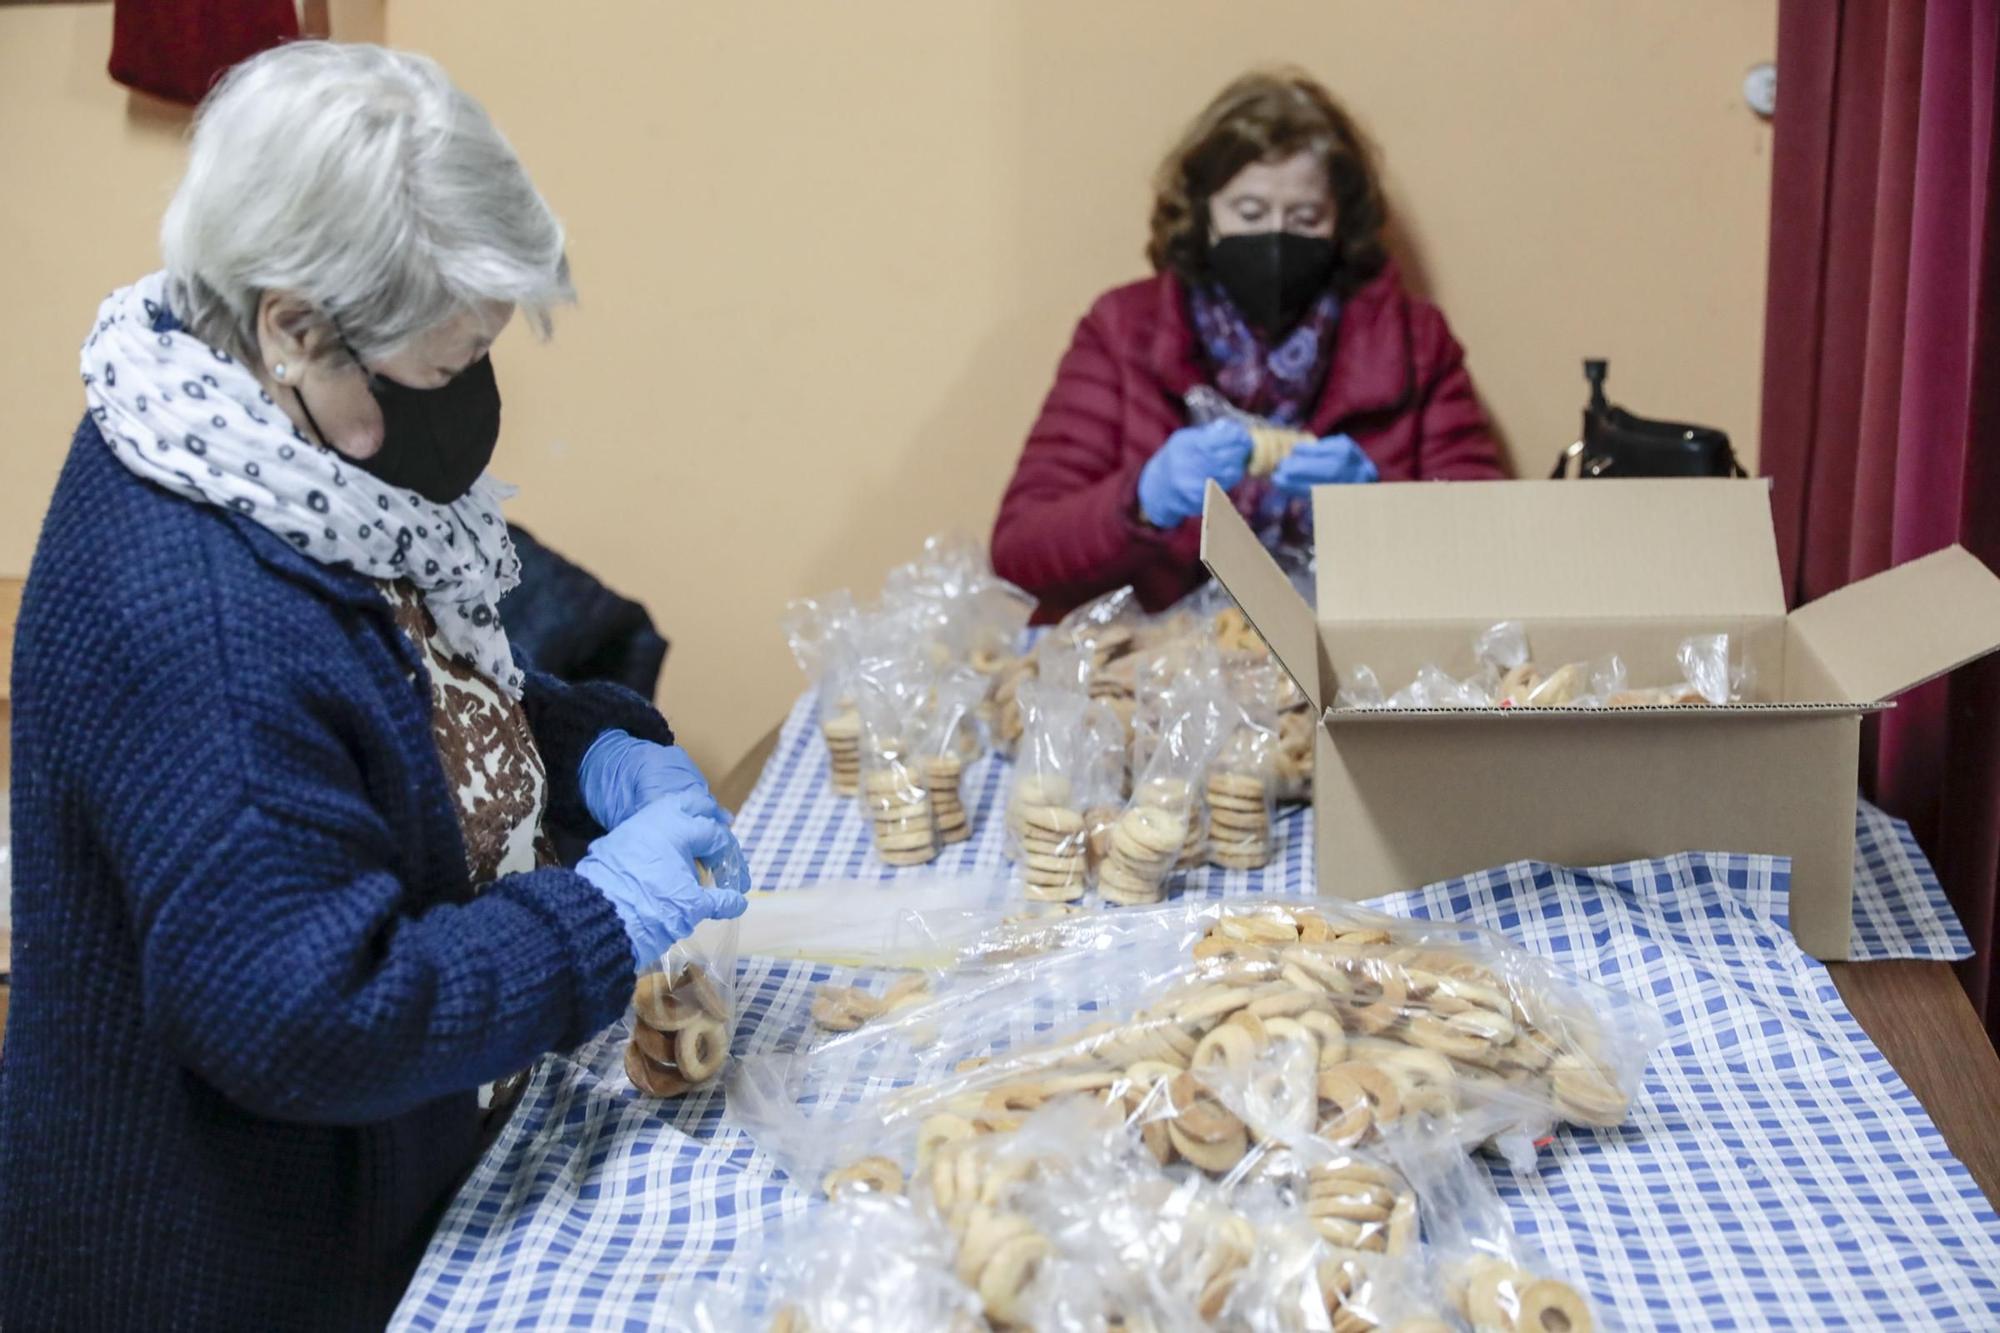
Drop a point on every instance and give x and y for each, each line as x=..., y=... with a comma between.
x=364, y=181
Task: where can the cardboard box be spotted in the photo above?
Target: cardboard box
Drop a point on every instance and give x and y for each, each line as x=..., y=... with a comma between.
x=1410, y=574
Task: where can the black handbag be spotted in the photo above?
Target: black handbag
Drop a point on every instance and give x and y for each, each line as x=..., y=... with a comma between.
x=1617, y=444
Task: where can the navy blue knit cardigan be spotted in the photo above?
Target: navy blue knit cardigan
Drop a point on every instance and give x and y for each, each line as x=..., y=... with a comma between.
x=253, y=990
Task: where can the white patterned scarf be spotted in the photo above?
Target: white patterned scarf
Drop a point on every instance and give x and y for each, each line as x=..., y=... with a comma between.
x=190, y=418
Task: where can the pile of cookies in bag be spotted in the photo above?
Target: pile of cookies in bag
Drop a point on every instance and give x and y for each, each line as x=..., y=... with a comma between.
x=1226, y=1115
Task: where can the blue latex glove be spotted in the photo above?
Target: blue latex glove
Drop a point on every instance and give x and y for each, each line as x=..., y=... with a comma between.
x=1174, y=479
x=1334, y=461
x=621, y=775
x=646, y=867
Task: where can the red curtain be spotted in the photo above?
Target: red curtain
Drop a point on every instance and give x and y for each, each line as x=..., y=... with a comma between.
x=1881, y=420
x=177, y=49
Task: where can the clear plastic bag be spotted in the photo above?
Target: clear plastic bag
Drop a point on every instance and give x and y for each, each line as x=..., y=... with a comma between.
x=1091, y=637
x=820, y=632
x=1003, y=707
x=994, y=615
x=683, y=1015
x=1488, y=1276
x=1163, y=828
x=1705, y=661
x=948, y=739
x=1047, y=834
x=894, y=685
x=1271, y=442
x=1212, y=1115
x=874, y=1259
x=1410, y=1026
x=1713, y=668
x=1241, y=784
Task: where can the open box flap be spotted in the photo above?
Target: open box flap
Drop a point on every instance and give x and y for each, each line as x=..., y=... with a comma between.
x=1891, y=633
x=1242, y=566
x=1515, y=550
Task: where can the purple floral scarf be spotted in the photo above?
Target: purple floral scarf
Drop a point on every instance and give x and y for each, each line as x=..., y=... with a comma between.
x=1280, y=384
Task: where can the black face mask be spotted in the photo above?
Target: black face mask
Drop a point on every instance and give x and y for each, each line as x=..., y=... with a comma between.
x=435, y=442
x=1272, y=276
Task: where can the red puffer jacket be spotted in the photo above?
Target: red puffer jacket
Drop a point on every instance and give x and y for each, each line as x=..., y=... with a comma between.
x=1069, y=526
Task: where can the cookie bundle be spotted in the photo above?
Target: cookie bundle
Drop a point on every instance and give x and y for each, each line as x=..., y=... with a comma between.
x=1055, y=853
x=1270, y=442
x=1271, y=445
x=1239, y=818
x=942, y=774
x=1047, y=828
x=1146, y=844
x=680, y=1031
x=1056, y=775
x=1239, y=781
x=1163, y=828
x=895, y=689
x=899, y=806
x=842, y=731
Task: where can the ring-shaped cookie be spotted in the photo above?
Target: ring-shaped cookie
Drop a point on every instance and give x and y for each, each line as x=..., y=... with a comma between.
x=986, y=1230
x=655, y=1080
x=1390, y=1002
x=1585, y=1093
x=1435, y=1034
x=1549, y=1306
x=937, y=1130
x=1492, y=1295
x=657, y=1045
x=699, y=1049
x=1215, y=1156
x=1425, y=1079
x=1331, y=1035
x=1198, y=1114
x=1353, y=1115
x=1403, y=1225
x=1007, y=1275
x=870, y=1175
x=1209, y=1004
x=654, y=1000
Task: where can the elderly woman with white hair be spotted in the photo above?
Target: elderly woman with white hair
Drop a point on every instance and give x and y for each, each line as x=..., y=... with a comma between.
x=283, y=894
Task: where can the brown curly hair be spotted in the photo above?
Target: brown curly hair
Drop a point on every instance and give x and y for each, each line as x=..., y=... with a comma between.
x=1268, y=115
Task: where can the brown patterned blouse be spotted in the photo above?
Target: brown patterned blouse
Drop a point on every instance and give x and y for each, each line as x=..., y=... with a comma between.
x=488, y=752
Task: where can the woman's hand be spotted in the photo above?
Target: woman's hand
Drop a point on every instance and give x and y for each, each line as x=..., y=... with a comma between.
x=621, y=775
x=1174, y=479
x=646, y=867
x=1334, y=461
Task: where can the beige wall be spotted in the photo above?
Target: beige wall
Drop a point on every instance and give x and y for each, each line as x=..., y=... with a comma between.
x=830, y=253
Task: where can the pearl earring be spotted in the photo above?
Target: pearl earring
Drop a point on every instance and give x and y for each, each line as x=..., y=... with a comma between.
x=279, y=370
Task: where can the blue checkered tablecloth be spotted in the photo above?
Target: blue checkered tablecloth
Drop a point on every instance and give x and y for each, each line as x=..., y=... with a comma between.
x=1775, y=1172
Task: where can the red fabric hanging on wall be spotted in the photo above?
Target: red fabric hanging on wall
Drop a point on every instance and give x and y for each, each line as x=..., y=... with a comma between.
x=176, y=49
x=1881, y=428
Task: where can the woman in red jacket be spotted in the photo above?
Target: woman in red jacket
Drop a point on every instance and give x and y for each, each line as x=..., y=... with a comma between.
x=1271, y=287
